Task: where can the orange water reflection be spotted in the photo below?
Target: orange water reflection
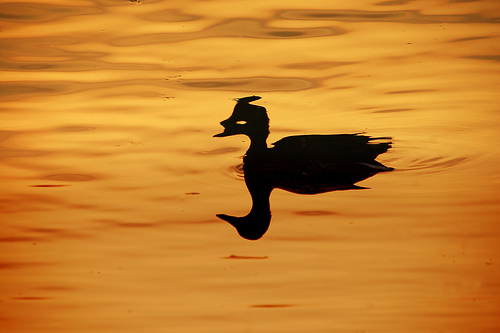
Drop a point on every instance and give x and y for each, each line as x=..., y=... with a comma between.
x=110, y=177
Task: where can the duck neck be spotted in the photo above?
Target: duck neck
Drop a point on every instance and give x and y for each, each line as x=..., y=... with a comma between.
x=258, y=142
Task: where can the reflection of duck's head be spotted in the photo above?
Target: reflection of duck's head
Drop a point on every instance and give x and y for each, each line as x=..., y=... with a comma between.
x=247, y=119
x=255, y=224
x=251, y=227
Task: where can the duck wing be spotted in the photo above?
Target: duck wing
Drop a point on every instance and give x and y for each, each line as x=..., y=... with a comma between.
x=346, y=147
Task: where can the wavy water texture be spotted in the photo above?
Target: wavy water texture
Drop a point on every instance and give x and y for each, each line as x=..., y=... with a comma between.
x=111, y=179
x=37, y=13
x=250, y=84
x=399, y=16
x=240, y=28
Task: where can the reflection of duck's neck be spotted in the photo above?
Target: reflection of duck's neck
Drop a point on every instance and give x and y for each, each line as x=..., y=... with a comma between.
x=254, y=225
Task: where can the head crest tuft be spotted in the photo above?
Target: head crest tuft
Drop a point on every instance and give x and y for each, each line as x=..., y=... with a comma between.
x=248, y=99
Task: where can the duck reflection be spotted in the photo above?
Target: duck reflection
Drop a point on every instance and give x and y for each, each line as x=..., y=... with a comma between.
x=303, y=164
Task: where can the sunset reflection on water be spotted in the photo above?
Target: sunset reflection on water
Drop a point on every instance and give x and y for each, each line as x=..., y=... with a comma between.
x=111, y=180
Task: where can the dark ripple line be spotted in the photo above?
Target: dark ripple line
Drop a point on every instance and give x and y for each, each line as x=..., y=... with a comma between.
x=248, y=84
x=32, y=12
x=435, y=164
x=484, y=57
x=401, y=16
x=75, y=66
x=234, y=256
x=393, y=2
x=13, y=90
x=410, y=91
x=46, y=47
x=467, y=39
x=317, y=65
x=31, y=298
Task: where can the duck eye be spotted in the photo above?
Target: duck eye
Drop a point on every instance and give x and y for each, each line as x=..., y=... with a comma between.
x=241, y=122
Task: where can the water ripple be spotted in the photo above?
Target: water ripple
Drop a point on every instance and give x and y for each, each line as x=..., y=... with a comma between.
x=49, y=54
x=70, y=177
x=317, y=65
x=428, y=159
x=12, y=90
x=248, y=84
x=32, y=12
x=484, y=57
x=168, y=15
x=243, y=27
x=393, y=3
x=435, y=163
x=401, y=16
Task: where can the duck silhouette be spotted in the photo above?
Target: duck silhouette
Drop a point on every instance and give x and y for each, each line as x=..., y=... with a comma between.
x=303, y=164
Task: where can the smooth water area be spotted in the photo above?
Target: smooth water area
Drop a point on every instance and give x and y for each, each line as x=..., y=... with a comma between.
x=110, y=178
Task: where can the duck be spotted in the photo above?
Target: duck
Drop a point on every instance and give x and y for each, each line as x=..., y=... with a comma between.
x=301, y=164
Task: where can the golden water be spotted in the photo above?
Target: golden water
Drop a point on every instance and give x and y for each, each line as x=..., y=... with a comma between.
x=110, y=177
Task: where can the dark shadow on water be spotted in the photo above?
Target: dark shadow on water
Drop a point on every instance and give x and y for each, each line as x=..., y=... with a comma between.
x=303, y=164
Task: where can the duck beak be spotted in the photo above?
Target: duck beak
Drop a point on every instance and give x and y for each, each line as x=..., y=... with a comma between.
x=227, y=129
x=223, y=134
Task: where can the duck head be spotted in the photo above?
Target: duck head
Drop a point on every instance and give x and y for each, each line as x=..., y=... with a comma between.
x=247, y=119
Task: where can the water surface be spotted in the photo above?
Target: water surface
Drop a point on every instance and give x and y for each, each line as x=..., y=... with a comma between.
x=111, y=180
